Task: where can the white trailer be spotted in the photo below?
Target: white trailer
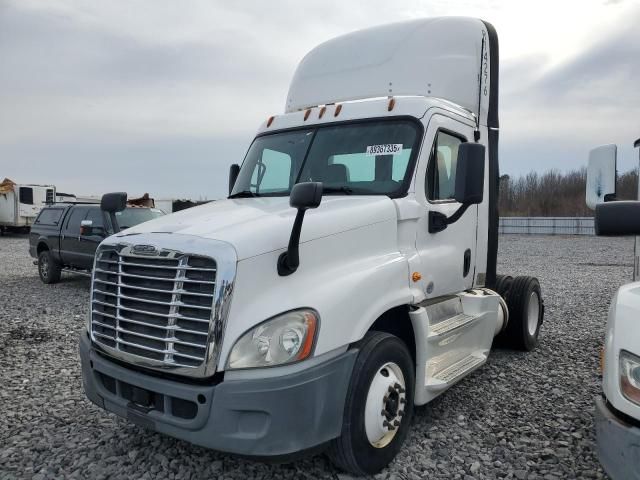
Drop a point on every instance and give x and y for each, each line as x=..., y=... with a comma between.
x=618, y=409
x=20, y=204
x=350, y=274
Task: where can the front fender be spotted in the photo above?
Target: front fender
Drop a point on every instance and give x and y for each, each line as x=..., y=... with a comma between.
x=350, y=278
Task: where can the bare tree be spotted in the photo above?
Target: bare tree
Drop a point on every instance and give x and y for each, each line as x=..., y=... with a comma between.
x=555, y=194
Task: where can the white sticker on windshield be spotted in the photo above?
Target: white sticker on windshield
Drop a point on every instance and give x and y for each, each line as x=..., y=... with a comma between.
x=386, y=149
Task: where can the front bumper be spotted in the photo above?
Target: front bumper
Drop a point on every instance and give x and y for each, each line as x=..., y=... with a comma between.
x=262, y=417
x=618, y=444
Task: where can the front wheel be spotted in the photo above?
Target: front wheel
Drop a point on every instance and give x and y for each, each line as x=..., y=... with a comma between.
x=378, y=407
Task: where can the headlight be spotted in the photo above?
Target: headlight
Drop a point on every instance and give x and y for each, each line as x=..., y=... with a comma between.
x=286, y=338
x=630, y=376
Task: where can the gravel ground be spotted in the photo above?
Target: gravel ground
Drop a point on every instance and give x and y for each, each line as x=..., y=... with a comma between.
x=523, y=416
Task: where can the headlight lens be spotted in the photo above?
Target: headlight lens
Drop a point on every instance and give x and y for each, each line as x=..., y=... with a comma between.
x=286, y=338
x=630, y=376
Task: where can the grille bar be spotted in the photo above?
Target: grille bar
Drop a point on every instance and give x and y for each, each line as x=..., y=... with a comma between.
x=156, y=307
x=151, y=325
x=155, y=302
x=167, y=267
x=147, y=289
x=164, y=279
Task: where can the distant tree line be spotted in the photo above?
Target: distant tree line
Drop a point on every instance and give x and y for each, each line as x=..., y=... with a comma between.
x=555, y=194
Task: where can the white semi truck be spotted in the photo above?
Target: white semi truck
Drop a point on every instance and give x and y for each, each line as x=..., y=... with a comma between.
x=349, y=276
x=618, y=410
x=20, y=204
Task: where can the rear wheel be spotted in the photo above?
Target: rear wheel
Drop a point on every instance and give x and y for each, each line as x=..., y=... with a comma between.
x=378, y=408
x=48, y=268
x=526, y=313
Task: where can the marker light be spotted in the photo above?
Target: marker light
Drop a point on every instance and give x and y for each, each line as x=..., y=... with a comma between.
x=270, y=121
x=287, y=338
x=322, y=110
x=392, y=103
x=338, y=110
x=306, y=114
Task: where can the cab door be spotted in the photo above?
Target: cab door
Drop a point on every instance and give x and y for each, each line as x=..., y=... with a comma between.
x=447, y=257
x=70, y=237
x=91, y=238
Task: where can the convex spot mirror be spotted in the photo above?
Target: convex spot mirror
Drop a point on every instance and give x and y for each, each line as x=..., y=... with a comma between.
x=113, y=202
x=601, y=175
x=618, y=218
x=469, y=186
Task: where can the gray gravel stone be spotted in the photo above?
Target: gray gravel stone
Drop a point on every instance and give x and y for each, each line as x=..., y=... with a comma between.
x=523, y=416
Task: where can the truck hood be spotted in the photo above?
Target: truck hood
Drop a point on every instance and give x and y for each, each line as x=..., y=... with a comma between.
x=259, y=225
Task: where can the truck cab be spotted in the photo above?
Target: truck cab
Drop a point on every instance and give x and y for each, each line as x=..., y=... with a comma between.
x=350, y=274
x=618, y=409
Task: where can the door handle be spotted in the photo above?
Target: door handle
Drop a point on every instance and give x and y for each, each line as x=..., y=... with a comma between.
x=466, y=263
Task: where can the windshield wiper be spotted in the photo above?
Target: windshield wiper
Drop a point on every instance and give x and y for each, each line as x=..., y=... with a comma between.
x=344, y=189
x=244, y=194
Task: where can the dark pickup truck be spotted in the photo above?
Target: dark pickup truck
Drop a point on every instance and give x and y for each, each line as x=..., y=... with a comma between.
x=64, y=237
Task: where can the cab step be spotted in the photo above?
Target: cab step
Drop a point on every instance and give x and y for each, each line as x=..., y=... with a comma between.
x=450, y=375
x=459, y=321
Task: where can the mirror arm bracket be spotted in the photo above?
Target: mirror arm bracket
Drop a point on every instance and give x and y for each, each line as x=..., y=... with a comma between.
x=289, y=261
x=439, y=221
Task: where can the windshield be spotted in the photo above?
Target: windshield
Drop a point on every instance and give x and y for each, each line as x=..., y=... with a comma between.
x=131, y=216
x=367, y=158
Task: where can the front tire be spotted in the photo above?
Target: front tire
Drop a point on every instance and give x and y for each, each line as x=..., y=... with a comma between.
x=378, y=407
x=48, y=268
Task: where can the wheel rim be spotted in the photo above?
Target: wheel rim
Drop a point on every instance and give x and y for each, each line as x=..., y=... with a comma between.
x=44, y=263
x=385, y=405
x=533, y=313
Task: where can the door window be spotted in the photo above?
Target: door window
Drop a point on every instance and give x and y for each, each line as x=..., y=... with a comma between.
x=49, y=216
x=73, y=224
x=95, y=215
x=441, y=172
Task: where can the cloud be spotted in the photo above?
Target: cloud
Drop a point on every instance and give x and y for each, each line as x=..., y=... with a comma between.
x=154, y=96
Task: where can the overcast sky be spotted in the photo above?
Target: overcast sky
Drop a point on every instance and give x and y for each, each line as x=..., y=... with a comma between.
x=162, y=96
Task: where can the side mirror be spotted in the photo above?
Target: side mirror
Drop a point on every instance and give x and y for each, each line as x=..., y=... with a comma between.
x=618, y=218
x=113, y=202
x=234, y=170
x=469, y=186
x=86, y=227
x=306, y=195
x=303, y=197
x=601, y=175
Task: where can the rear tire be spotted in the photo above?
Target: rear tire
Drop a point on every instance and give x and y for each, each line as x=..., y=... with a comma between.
x=383, y=374
x=503, y=285
x=48, y=268
x=526, y=313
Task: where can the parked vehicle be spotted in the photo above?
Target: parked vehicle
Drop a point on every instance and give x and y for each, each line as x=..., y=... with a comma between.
x=21, y=203
x=64, y=236
x=350, y=275
x=618, y=410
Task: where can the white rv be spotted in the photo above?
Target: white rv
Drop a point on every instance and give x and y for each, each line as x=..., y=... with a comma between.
x=350, y=274
x=618, y=409
x=20, y=204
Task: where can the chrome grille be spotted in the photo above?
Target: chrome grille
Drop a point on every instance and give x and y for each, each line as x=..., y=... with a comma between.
x=156, y=307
